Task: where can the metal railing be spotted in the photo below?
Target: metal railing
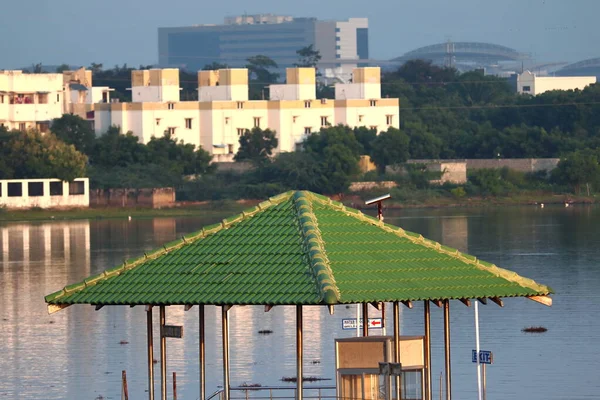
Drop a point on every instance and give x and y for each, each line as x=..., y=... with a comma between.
x=274, y=392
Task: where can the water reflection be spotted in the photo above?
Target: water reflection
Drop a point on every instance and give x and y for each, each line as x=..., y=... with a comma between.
x=77, y=353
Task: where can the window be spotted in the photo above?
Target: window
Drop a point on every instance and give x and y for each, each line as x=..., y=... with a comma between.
x=338, y=47
x=337, y=38
x=157, y=121
x=226, y=120
x=58, y=98
x=22, y=126
x=324, y=121
x=527, y=88
x=43, y=98
x=294, y=118
x=338, y=30
x=307, y=130
x=338, y=56
x=230, y=148
x=171, y=106
x=360, y=118
x=35, y=189
x=56, y=188
x=188, y=123
x=307, y=104
x=240, y=105
x=389, y=119
x=240, y=131
x=373, y=127
x=257, y=122
x=15, y=189
x=373, y=103
x=1, y=98
x=76, y=188
x=171, y=131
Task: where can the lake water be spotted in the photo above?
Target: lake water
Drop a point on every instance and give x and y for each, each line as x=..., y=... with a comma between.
x=76, y=353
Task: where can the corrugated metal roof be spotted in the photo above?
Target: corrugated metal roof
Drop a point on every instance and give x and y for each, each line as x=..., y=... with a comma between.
x=298, y=248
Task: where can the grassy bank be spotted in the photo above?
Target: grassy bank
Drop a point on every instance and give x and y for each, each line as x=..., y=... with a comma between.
x=215, y=209
x=223, y=209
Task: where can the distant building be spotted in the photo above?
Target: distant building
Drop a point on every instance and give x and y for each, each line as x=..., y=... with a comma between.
x=44, y=193
x=529, y=83
x=32, y=101
x=341, y=43
x=223, y=111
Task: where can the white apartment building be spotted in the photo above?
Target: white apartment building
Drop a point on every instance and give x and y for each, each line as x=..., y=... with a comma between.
x=528, y=83
x=223, y=111
x=29, y=101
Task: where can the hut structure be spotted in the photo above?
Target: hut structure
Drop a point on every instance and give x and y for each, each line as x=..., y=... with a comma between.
x=299, y=249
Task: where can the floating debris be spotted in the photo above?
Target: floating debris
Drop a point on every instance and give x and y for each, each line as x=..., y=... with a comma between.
x=304, y=379
x=250, y=385
x=123, y=342
x=265, y=332
x=50, y=322
x=154, y=361
x=534, y=329
x=315, y=362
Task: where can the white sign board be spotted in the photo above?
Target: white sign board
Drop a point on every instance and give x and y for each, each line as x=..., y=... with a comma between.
x=350, y=323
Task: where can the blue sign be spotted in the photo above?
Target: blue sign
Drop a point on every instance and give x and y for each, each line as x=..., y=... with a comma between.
x=485, y=357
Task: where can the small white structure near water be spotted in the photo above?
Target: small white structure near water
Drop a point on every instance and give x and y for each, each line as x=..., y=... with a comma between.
x=44, y=193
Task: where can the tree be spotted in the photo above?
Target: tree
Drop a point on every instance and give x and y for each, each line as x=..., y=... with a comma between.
x=96, y=68
x=577, y=169
x=179, y=157
x=31, y=154
x=365, y=137
x=389, y=148
x=257, y=145
x=37, y=68
x=308, y=57
x=114, y=149
x=62, y=68
x=73, y=129
x=260, y=67
x=261, y=75
x=214, y=66
x=336, y=152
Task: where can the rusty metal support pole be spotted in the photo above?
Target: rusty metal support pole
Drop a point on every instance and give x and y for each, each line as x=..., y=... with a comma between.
x=225, y=334
x=174, y=385
x=150, y=353
x=365, y=319
x=447, y=349
x=163, y=355
x=397, y=347
x=299, y=352
x=427, y=372
x=201, y=351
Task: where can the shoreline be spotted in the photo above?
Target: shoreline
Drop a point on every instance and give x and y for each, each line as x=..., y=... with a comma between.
x=228, y=207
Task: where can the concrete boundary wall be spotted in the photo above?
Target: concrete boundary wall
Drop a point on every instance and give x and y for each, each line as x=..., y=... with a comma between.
x=150, y=197
x=517, y=164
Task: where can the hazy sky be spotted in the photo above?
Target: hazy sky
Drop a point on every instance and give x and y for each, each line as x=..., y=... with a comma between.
x=118, y=31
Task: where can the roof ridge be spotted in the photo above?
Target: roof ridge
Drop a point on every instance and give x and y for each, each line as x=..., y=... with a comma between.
x=166, y=248
x=419, y=239
x=314, y=246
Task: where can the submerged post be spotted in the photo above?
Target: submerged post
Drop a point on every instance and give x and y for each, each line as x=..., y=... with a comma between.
x=299, y=372
x=427, y=326
x=225, y=334
x=163, y=355
x=365, y=319
x=447, y=349
x=397, y=346
x=150, y=353
x=201, y=352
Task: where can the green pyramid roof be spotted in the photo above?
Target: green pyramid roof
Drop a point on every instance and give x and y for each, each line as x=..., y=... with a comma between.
x=298, y=248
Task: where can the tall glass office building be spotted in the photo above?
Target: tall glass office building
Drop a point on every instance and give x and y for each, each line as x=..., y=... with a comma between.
x=341, y=43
